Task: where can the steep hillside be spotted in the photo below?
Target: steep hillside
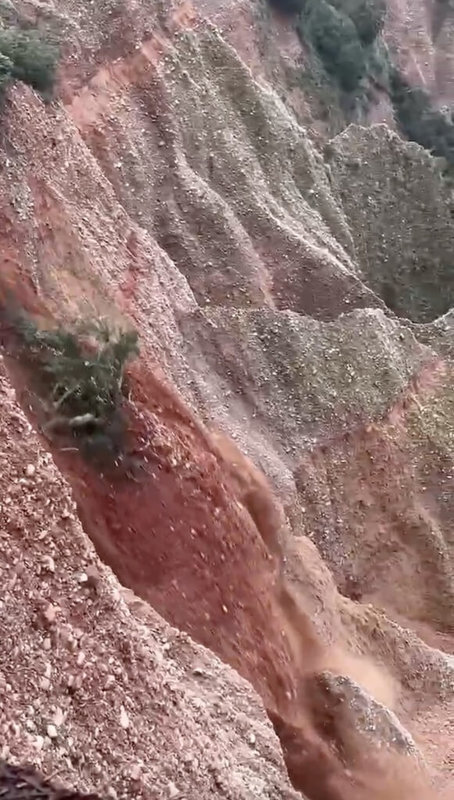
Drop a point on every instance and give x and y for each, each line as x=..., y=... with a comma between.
x=95, y=687
x=287, y=496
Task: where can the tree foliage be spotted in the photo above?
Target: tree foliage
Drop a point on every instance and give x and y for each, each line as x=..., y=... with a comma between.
x=368, y=16
x=342, y=33
x=336, y=40
x=26, y=56
x=420, y=121
x=83, y=367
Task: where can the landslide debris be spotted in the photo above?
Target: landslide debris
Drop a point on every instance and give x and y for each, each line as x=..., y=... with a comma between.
x=91, y=693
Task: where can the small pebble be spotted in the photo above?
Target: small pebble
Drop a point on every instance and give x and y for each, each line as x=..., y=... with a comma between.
x=135, y=772
x=58, y=717
x=50, y=613
x=52, y=731
x=124, y=719
x=48, y=563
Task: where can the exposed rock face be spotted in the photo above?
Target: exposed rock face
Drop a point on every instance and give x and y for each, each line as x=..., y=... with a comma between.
x=172, y=189
x=420, y=33
x=344, y=698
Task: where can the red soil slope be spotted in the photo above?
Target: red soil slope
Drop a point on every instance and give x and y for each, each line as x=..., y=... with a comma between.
x=182, y=535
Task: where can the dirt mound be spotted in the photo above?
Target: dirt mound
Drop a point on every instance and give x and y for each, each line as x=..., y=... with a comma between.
x=348, y=708
x=383, y=777
x=400, y=485
x=352, y=398
x=282, y=383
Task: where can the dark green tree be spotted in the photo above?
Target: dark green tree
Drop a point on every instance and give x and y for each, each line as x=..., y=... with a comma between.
x=368, y=16
x=336, y=40
x=419, y=121
x=26, y=56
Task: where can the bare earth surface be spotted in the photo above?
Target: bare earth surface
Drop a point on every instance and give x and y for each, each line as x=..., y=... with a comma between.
x=95, y=686
x=291, y=413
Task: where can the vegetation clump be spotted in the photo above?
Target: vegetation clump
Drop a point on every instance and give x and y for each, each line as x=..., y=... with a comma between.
x=420, y=122
x=26, y=56
x=347, y=56
x=335, y=38
x=345, y=36
x=82, y=376
x=368, y=17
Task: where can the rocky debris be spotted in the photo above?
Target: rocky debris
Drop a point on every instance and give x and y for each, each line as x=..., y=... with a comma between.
x=318, y=374
x=326, y=406
x=439, y=334
x=354, y=711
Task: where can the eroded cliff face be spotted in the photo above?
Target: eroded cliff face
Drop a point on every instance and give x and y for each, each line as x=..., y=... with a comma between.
x=289, y=299
x=421, y=33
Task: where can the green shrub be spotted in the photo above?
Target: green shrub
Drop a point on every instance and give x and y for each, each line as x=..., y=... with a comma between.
x=344, y=35
x=79, y=378
x=84, y=366
x=419, y=121
x=26, y=56
x=336, y=40
x=368, y=16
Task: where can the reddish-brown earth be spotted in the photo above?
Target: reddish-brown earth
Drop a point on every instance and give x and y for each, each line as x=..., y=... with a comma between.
x=178, y=537
x=171, y=190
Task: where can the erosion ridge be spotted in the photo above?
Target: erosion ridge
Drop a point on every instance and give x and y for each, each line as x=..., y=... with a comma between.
x=282, y=297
